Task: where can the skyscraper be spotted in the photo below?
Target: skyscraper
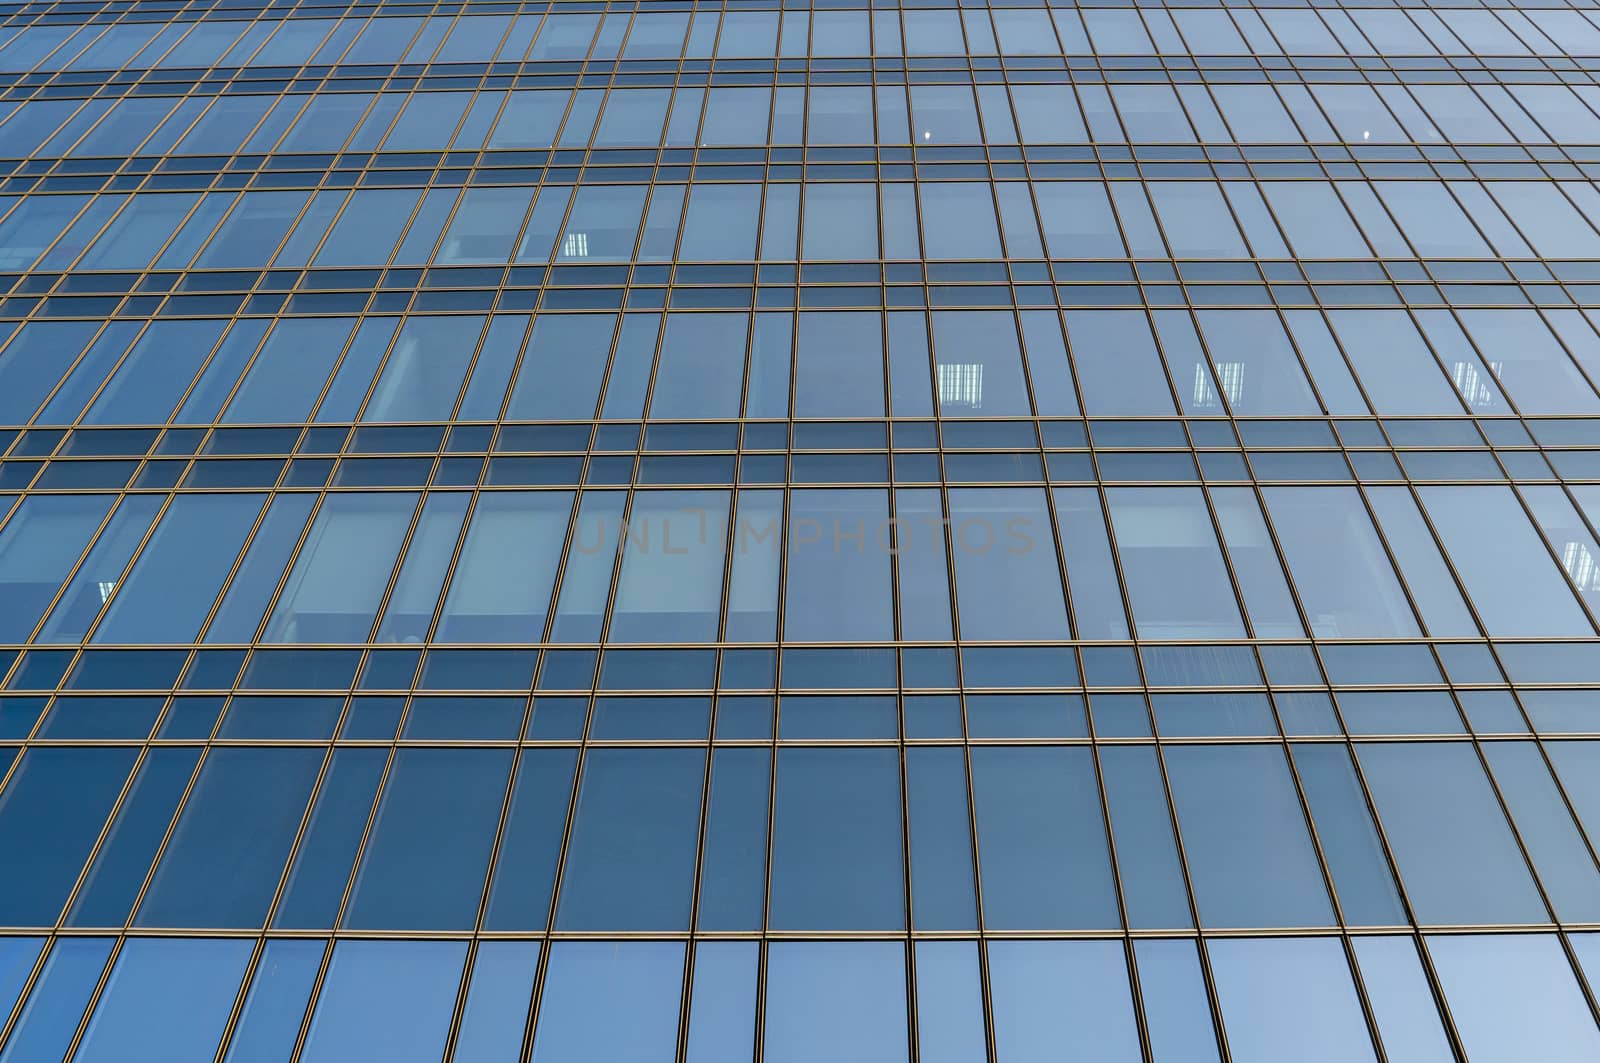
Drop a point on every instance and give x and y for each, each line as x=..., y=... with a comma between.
x=805, y=532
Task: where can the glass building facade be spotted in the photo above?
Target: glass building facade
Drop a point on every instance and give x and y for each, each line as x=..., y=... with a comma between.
x=666, y=532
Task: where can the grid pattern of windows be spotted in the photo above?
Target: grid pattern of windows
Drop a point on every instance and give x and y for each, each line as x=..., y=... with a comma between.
x=673, y=532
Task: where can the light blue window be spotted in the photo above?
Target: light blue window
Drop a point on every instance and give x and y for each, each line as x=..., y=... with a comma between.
x=1119, y=367
x=670, y=587
x=17, y=957
x=424, y=866
x=1249, y=854
x=590, y=984
x=1529, y=363
x=722, y=1004
x=288, y=375
x=269, y=1024
x=841, y=221
x=50, y=1018
x=838, y=585
x=147, y=386
x=500, y=588
x=736, y=116
x=603, y=225
x=1288, y=998
x=133, y=240
x=1048, y=994
x=1548, y=832
x=38, y=358
x=425, y=370
x=837, y=841
x=1171, y=565
x=1456, y=855
x=1008, y=582
x=701, y=367
x=978, y=364
x=1514, y=997
x=1346, y=583
x=720, y=223
x=369, y=227
x=166, y=999
x=591, y=560
x=389, y=1000
x=333, y=593
x=835, y=1000
x=484, y=229
x=950, y=1027
x=1042, y=848
x=1176, y=1012
x=562, y=367
x=630, y=863
x=922, y=567
x=179, y=573
x=1517, y=587
x=1077, y=220
x=251, y=233
x=409, y=614
x=958, y=220
x=1402, y=1004
x=39, y=548
x=498, y=998
x=1349, y=840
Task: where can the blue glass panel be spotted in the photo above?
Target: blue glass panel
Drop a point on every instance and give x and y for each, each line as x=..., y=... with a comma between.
x=1287, y=998
x=949, y=1002
x=836, y=841
x=1514, y=997
x=424, y=865
x=588, y=984
x=48, y=1021
x=1047, y=994
x=269, y=1024
x=630, y=862
x=497, y=1004
x=722, y=1002
x=166, y=999
x=842, y=1001
x=389, y=1000
x=222, y=865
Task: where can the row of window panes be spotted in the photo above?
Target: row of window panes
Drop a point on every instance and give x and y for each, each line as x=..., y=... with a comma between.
x=841, y=221
x=823, y=114
x=841, y=819
x=841, y=1000
x=763, y=34
x=850, y=570
x=804, y=719
x=817, y=364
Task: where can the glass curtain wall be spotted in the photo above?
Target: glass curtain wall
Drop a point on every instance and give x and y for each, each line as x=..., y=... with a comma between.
x=681, y=532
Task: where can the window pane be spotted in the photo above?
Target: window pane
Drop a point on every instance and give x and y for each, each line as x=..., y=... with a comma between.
x=221, y=866
x=1513, y=997
x=630, y=863
x=169, y=591
x=166, y=999
x=424, y=865
x=1288, y=998
x=590, y=985
x=836, y=841
x=1041, y=844
x=390, y=1000
x=835, y=1000
x=1245, y=838
x=500, y=591
x=1456, y=855
x=1047, y=994
x=339, y=579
